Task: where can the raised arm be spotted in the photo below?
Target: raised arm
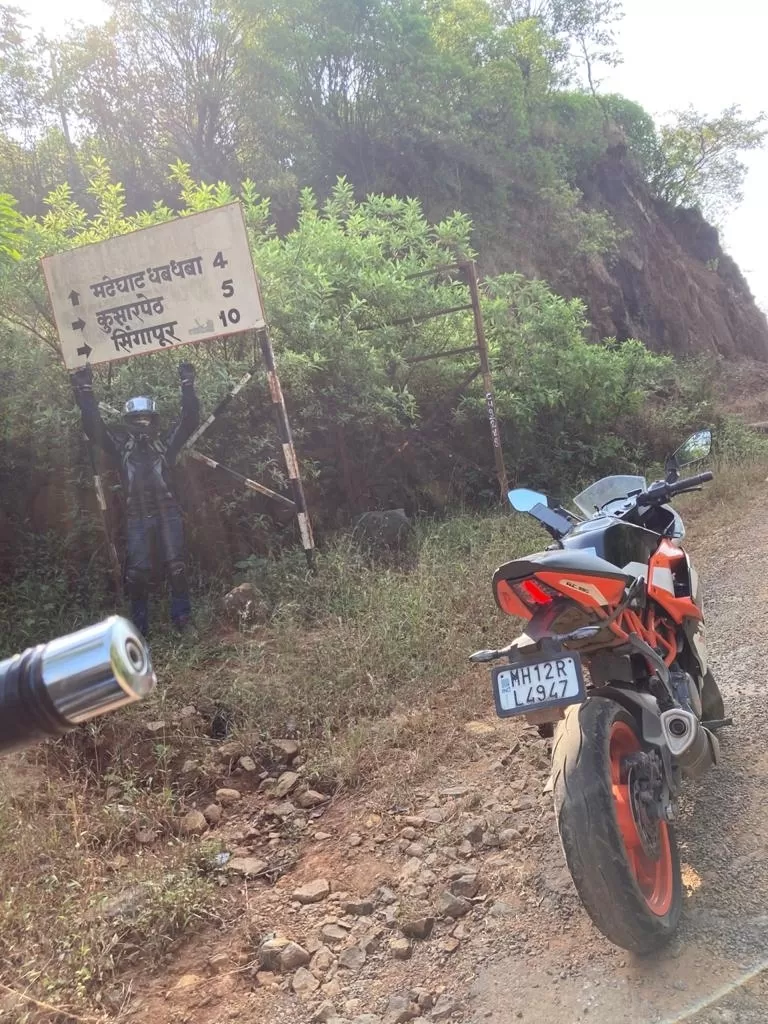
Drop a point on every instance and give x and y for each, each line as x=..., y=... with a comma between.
x=93, y=425
x=190, y=413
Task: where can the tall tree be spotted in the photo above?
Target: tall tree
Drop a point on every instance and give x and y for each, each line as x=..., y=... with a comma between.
x=162, y=80
x=696, y=162
x=32, y=156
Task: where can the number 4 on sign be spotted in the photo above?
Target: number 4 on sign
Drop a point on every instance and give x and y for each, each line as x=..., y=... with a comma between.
x=219, y=261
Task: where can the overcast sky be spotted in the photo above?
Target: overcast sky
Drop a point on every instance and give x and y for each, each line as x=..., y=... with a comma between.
x=676, y=52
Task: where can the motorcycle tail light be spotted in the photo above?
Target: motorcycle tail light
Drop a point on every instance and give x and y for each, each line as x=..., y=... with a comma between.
x=533, y=593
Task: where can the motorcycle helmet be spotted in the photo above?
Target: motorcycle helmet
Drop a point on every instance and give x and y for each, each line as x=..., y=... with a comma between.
x=141, y=412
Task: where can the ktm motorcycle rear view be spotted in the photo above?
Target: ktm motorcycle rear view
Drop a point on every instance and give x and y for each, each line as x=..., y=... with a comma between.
x=617, y=593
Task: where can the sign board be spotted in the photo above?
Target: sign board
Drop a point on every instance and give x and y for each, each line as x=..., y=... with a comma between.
x=188, y=280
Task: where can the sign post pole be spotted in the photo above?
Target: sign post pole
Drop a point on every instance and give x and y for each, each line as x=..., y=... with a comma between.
x=289, y=452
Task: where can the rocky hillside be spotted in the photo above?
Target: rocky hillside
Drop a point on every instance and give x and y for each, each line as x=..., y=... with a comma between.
x=671, y=285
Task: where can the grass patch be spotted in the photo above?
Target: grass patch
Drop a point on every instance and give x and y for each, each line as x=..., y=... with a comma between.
x=82, y=901
x=357, y=641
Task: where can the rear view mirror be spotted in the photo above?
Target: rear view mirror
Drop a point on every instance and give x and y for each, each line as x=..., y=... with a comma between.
x=695, y=449
x=523, y=500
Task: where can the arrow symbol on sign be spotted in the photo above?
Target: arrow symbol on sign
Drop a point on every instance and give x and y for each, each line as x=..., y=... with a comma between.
x=74, y=297
x=85, y=350
x=78, y=325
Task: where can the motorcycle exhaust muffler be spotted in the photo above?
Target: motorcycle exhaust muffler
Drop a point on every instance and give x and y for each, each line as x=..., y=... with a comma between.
x=691, y=744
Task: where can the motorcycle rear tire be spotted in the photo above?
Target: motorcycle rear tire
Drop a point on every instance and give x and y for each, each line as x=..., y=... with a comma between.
x=633, y=899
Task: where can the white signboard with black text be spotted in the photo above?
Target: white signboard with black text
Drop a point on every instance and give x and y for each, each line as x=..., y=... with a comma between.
x=188, y=280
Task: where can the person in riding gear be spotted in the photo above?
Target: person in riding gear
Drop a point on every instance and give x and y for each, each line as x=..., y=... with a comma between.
x=144, y=457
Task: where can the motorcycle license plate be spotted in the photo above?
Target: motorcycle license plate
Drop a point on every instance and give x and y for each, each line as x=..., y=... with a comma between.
x=537, y=683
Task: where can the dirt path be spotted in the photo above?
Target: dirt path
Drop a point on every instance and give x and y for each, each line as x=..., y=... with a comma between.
x=518, y=947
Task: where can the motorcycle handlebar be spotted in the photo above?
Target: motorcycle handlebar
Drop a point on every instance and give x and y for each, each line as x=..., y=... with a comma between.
x=691, y=481
x=49, y=689
x=661, y=492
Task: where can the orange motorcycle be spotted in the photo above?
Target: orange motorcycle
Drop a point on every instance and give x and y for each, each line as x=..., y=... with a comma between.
x=615, y=593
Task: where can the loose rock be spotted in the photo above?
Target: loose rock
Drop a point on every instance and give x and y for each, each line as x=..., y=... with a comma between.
x=313, y=892
x=285, y=784
x=353, y=958
x=247, y=763
x=322, y=961
x=218, y=963
x=286, y=750
x=283, y=810
x=473, y=831
x=304, y=983
x=416, y=850
x=467, y=885
x=449, y=905
x=311, y=798
x=418, y=927
x=193, y=823
x=248, y=867
x=372, y=940
x=357, y=908
x=385, y=896
x=283, y=955
x=227, y=797
x=508, y=837
x=414, y=820
x=326, y=1011
x=333, y=934
x=212, y=814
x=400, y=1009
x=331, y=988
x=187, y=981
x=445, y=1007
x=400, y=948
x=449, y=944
x=455, y=791
x=291, y=957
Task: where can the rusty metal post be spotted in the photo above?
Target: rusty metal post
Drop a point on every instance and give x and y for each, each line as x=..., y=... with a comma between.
x=470, y=269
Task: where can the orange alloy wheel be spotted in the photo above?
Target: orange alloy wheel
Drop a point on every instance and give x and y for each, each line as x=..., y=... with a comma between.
x=654, y=876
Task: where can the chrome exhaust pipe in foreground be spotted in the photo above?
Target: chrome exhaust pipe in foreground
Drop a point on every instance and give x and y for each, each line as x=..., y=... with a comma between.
x=48, y=690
